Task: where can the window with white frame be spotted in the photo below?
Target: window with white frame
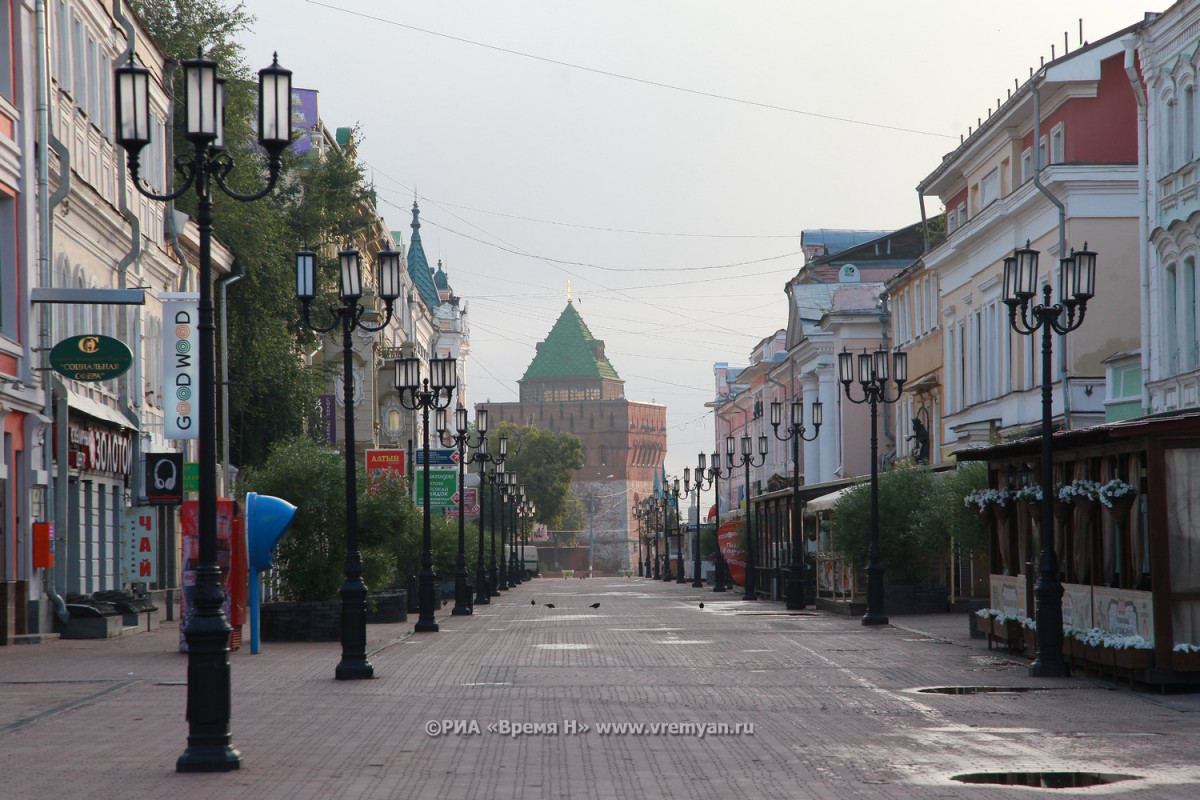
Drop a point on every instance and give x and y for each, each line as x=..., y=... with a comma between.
x=989, y=188
x=1168, y=151
x=62, y=37
x=1026, y=164
x=951, y=221
x=1170, y=331
x=1058, y=144
x=1188, y=317
x=1189, y=123
x=1043, y=152
x=962, y=213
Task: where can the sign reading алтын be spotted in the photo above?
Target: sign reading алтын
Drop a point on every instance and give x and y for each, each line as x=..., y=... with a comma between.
x=91, y=357
x=181, y=368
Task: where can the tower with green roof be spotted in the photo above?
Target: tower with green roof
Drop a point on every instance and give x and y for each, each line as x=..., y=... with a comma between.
x=571, y=386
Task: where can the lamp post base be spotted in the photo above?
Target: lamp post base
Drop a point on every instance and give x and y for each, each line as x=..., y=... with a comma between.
x=874, y=618
x=209, y=759
x=352, y=670
x=795, y=592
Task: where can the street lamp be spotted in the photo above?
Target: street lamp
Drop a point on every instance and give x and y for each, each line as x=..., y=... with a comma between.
x=746, y=459
x=1076, y=285
x=418, y=394
x=704, y=480
x=508, y=488
x=483, y=592
x=796, y=434
x=495, y=480
x=680, y=577
x=461, y=439
x=349, y=315
x=716, y=473
x=666, y=526
x=210, y=743
x=655, y=510
x=873, y=376
x=515, y=571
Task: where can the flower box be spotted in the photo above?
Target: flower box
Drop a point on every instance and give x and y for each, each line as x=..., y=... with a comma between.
x=1131, y=658
x=1185, y=661
x=1010, y=632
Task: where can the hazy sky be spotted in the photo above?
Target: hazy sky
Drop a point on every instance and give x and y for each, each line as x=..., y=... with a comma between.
x=661, y=157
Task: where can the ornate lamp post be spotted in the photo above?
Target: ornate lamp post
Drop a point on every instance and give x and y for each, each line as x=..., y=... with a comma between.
x=716, y=473
x=704, y=480
x=746, y=460
x=495, y=480
x=667, y=576
x=417, y=394
x=655, y=508
x=516, y=572
x=796, y=434
x=210, y=744
x=508, y=488
x=873, y=376
x=680, y=577
x=483, y=592
x=1076, y=285
x=460, y=438
x=349, y=315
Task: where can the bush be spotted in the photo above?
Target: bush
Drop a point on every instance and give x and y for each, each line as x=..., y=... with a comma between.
x=310, y=560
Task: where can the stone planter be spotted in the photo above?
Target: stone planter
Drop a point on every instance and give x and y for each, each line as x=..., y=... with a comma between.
x=389, y=607
x=315, y=621
x=1009, y=633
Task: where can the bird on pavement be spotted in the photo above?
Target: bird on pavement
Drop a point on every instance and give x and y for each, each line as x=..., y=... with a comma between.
x=549, y=605
x=702, y=605
x=533, y=602
x=595, y=605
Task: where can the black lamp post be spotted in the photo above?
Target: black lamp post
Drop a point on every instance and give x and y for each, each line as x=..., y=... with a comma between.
x=508, y=487
x=680, y=577
x=796, y=434
x=417, y=394
x=495, y=480
x=873, y=376
x=746, y=460
x=349, y=315
x=527, y=509
x=716, y=473
x=209, y=696
x=460, y=439
x=483, y=592
x=1076, y=285
x=655, y=509
x=704, y=480
x=516, y=573
x=667, y=575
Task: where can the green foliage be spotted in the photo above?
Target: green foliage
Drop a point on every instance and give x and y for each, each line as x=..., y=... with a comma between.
x=947, y=519
x=912, y=551
x=310, y=560
x=544, y=462
x=316, y=202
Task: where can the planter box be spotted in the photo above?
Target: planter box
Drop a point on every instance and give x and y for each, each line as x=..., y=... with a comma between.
x=316, y=621
x=1010, y=633
x=389, y=607
x=1185, y=662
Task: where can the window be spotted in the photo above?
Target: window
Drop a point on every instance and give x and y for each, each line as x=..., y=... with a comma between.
x=8, y=266
x=1170, y=332
x=951, y=221
x=1026, y=164
x=1168, y=156
x=1058, y=145
x=1188, y=299
x=78, y=71
x=6, y=51
x=62, y=33
x=1189, y=123
x=962, y=213
x=989, y=188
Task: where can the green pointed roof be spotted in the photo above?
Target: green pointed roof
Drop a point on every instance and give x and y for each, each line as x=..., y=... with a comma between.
x=570, y=351
x=418, y=265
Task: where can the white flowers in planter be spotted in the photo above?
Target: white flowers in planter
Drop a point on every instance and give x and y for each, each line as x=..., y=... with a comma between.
x=982, y=498
x=1030, y=494
x=1186, y=647
x=1078, y=489
x=1098, y=637
x=1114, y=489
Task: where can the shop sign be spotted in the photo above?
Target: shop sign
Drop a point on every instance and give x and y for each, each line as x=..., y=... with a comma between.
x=100, y=450
x=181, y=366
x=91, y=358
x=140, y=564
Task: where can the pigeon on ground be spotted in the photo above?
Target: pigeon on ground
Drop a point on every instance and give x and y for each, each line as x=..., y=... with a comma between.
x=549, y=605
x=533, y=602
x=702, y=605
x=595, y=605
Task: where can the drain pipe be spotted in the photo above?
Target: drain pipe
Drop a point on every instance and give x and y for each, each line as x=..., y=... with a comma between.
x=1062, y=236
x=1130, y=43
x=223, y=283
x=55, y=493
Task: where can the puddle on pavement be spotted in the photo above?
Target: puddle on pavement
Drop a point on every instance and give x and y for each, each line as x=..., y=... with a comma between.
x=981, y=689
x=1044, y=780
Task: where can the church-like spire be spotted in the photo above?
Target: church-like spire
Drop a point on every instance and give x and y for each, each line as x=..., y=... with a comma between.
x=418, y=265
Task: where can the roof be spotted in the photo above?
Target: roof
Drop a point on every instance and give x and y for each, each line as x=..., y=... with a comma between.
x=570, y=351
x=440, y=281
x=418, y=265
x=1177, y=422
x=834, y=240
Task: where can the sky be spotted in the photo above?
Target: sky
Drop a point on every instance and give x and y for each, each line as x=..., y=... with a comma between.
x=656, y=158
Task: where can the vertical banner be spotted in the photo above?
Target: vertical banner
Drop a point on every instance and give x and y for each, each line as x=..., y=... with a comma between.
x=181, y=367
x=140, y=564
x=326, y=404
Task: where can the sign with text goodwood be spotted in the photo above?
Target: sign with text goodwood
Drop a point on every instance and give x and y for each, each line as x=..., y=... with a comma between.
x=91, y=357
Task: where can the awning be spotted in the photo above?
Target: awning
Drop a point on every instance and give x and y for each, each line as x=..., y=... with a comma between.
x=99, y=411
x=826, y=502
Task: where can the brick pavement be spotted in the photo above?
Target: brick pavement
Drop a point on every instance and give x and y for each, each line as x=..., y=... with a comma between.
x=834, y=707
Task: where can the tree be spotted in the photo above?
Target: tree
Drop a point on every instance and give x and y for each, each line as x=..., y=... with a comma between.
x=316, y=202
x=545, y=462
x=912, y=552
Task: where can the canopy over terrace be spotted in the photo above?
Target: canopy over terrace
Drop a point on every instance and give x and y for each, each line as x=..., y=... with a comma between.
x=1133, y=568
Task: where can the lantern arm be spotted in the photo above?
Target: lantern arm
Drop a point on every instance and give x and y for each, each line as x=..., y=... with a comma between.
x=1024, y=323
x=185, y=165
x=1072, y=320
x=359, y=310
x=223, y=165
x=306, y=318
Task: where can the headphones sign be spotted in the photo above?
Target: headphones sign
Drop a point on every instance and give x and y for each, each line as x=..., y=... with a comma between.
x=164, y=478
x=181, y=368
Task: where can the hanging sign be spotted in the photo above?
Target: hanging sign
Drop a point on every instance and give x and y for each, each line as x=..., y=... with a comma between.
x=140, y=564
x=181, y=365
x=91, y=358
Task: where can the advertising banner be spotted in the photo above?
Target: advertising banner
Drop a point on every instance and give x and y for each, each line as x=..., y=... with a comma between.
x=443, y=485
x=383, y=465
x=140, y=545
x=729, y=538
x=181, y=365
